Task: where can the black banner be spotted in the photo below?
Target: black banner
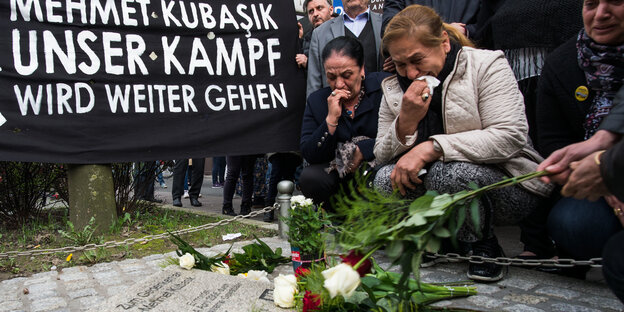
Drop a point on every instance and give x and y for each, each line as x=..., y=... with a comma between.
x=98, y=81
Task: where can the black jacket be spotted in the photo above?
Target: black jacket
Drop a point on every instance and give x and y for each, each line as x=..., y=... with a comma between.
x=559, y=115
x=318, y=146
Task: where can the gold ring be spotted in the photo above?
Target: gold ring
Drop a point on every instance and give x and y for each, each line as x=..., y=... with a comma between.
x=424, y=96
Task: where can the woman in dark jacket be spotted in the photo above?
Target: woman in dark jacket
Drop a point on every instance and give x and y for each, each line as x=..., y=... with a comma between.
x=340, y=121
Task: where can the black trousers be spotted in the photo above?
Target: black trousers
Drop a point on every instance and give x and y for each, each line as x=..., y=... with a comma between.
x=243, y=166
x=613, y=264
x=144, y=184
x=283, y=167
x=197, y=177
x=319, y=185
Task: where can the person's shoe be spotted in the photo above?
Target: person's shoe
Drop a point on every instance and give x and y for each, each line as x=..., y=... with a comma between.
x=245, y=209
x=195, y=202
x=216, y=185
x=177, y=202
x=228, y=211
x=268, y=216
x=186, y=194
x=486, y=272
x=163, y=185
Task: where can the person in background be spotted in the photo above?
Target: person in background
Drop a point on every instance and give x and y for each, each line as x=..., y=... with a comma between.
x=197, y=179
x=594, y=169
x=318, y=12
x=282, y=167
x=527, y=31
x=243, y=166
x=460, y=14
x=340, y=121
x=575, y=94
x=357, y=21
x=218, y=171
x=144, y=184
x=471, y=128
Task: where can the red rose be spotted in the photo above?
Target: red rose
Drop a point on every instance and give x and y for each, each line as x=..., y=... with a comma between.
x=301, y=272
x=311, y=302
x=353, y=258
x=227, y=260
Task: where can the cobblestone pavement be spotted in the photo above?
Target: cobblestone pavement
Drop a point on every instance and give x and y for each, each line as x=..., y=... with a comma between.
x=80, y=288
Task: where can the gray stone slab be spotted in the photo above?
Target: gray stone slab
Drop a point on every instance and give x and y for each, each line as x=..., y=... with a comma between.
x=558, y=292
x=102, y=267
x=38, y=280
x=487, y=289
x=486, y=301
x=66, y=277
x=521, y=308
x=35, y=288
x=47, y=304
x=116, y=290
x=86, y=303
x=175, y=289
x=602, y=302
x=564, y=307
x=517, y=282
x=75, y=269
x=10, y=306
x=80, y=284
x=47, y=293
x=14, y=282
x=525, y=298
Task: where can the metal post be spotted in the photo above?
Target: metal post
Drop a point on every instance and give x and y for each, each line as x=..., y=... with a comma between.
x=285, y=189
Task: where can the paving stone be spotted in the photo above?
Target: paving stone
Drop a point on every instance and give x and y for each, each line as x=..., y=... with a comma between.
x=86, y=303
x=487, y=289
x=602, y=302
x=9, y=293
x=116, y=290
x=132, y=267
x=47, y=304
x=79, y=284
x=75, y=269
x=40, y=280
x=522, y=308
x=558, y=292
x=51, y=274
x=102, y=267
x=14, y=282
x=564, y=307
x=66, y=277
x=450, y=269
x=486, y=302
x=442, y=303
x=524, y=298
x=10, y=305
x=517, y=282
x=153, y=257
x=47, y=293
x=108, y=278
x=41, y=287
x=439, y=278
x=86, y=292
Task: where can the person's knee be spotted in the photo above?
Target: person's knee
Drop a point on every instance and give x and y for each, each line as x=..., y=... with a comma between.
x=382, y=180
x=315, y=182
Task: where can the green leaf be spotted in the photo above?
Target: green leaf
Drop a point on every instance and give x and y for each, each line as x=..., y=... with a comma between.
x=441, y=201
x=416, y=260
x=474, y=213
x=473, y=186
x=416, y=220
x=421, y=203
x=441, y=232
x=461, y=217
x=433, y=245
x=433, y=212
x=395, y=249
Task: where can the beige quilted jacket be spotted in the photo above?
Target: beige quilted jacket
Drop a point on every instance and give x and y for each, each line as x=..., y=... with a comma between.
x=483, y=117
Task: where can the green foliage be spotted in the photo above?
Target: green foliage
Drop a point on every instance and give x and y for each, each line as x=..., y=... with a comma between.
x=256, y=256
x=94, y=256
x=306, y=224
x=201, y=262
x=82, y=237
x=117, y=225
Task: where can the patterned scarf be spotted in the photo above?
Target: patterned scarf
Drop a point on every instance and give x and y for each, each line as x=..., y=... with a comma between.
x=604, y=70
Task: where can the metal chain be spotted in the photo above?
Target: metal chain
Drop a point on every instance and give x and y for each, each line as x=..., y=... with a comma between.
x=558, y=263
x=132, y=241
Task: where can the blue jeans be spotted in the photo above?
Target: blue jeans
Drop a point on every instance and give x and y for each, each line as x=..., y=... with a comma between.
x=581, y=228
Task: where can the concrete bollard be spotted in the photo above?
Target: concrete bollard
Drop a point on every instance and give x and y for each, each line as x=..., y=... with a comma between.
x=285, y=189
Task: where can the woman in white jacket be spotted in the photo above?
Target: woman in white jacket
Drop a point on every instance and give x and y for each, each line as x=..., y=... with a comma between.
x=471, y=128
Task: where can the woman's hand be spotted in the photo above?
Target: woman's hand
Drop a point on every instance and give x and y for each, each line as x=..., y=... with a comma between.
x=334, y=107
x=413, y=108
x=358, y=158
x=585, y=180
x=405, y=173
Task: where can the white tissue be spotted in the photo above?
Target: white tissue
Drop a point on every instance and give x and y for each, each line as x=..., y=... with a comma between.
x=431, y=81
x=231, y=236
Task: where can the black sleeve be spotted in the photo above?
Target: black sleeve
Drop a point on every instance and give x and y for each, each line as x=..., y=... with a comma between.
x=614, y=122
x=391, y=8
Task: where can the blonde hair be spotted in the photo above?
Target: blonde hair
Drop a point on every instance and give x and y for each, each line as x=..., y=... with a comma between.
x=424, y=24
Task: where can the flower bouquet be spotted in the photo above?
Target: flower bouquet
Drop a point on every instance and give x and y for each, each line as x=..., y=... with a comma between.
x=306, y=224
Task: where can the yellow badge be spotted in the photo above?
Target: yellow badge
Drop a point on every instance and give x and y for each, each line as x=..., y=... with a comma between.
x=581, y=93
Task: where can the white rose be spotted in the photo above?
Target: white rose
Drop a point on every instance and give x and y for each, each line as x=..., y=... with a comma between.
x=341, y=280
x=297, y=200
x=308, y=202
x=285, y=290
x=187, y=261
x=255, y=275
x=221, y=268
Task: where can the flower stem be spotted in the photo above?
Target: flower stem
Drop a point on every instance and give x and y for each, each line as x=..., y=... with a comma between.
x=357, y=265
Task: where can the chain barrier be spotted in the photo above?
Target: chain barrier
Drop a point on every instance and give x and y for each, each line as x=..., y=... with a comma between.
x=557, y=263
x=132, y=241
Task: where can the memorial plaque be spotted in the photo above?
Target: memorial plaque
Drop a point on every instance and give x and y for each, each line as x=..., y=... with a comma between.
x=175, y=289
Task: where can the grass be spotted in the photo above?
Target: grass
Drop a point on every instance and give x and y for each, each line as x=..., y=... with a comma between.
x=54, y=231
